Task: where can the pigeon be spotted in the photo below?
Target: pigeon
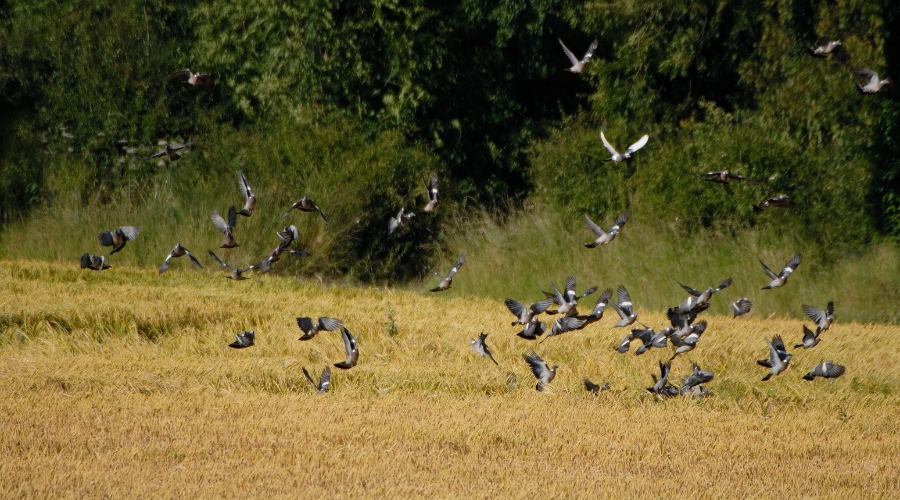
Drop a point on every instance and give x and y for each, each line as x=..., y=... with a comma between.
x=310, y=329
x=688, y=342
x=119, y=237
x=402, y=219
x=604, y=237
x=722, y=177
x=822, y=318
x=873, y=84
x=351, y=348
x=781, y=279
x=235, y=274
x=568, y=301
x=178, y=251
x=541, y=370
x=533, y=330
x=826, y=370
x=249, y=198
x=563, y=325
x=646, y=336
x=741, y=306
x=616, y=157
x=245, y=339
x=625, y=308
x=324, y=380
x=481, y=348
x=578, y=66
x=305, y=205
x=660, y=339
x=447, y=281
x=810, y=339
x=95, y=262
x=702, y=298
x=695, y=379
x=778, y=358
x=597, y=313
x=526, y=315
x=776, y=201
x=661, y=387
x=432, y=194
x=594, y=388
x=227, y=227
x=193, y=78
x=171, y=151
x=825, y=45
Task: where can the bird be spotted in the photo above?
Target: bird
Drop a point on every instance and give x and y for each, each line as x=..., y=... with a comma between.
x=778, y=359
x=447, y=282
x=604, y=237
x=119, y=237
x=825, y=45
x=324, y=380
x=227, y=227
x=823, y=319
x=616, y=157
x=567, y=302
x=524, y=314
x=594, y=388
x=563, y=325
x=178, y=251
x=305, y=204
x=481, y=348
x=782, y=277
x=873, y=84
x=402, y=219
x=310, y=329
x=533, y=329
x=689, y=341
x=193, y=78
x=781, y=200
x=432, y=194
x=625, y=308
x=722, y=177
x=578, y=66
x=95, y=262
x=703, y=297
x=810, y=339
x=826, y=370
x=695, y=379
x=541, y=370
x=351, y=348
x=646, y=336
x=660, y=386
x=596, y=313
x=249, y=198
x=235, y=274
x=245, y=339
x=171, y=151
x=741, y=306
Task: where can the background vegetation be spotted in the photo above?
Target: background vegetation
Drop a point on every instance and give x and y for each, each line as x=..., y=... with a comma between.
x=354, y=102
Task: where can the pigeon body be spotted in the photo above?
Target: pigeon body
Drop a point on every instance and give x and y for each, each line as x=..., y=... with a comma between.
x=402, y=219
x=741, y=306
x=176, y=252
x=596, y=313
x=226, y=227
x=541, y=370
x=305, y=205
x=604, y=237
x=352, y=350
x=825, y=370
x=823, y=319
x=324, y=380
x=778, y=360
x=616, y=156
x=245, y=339
x=310, y=328
x=234, y=273
x=533, y=329
x=193, y=78
x=873, y=82
x=825, y=45
x=481, y=348
x=782, y=277
x=525, y=315
x=781, y=201
x=447, y=281
x=249, y=197
x=625, y=308
x=723, y=176
x=810, y=339
x=94, y=262
x=117, y=238
x=432, y=194
x=578, y=65
x=171, y=150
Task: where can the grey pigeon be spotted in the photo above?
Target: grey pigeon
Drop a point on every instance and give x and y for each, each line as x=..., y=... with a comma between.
x=352, y=350
x=873, y=82
x=310, y=328
x=481, y=348
x=447, y=281
x=533, y=329
x=704, y=296
x=741, y=306
x=604, y=237
x=689, y=341
x=193, y=78
x=249, y=197
x=245, y=339
x=616, y=156
x=646, y=336
x=594, y=388
x=810, y=339
x=402, y=219
x=227, y=227
x=597, y=313
x=823, y=319
x=661, y=386
x=779, y=358
x=578, y=65
x=825, y=45
x=723, y=176
x=525, y=315
x=567, y=301
x=178, y=251
x=305, y=205
x=95, y=262
x=541, y=370
x=781, y=201
x=563, y=325
x=171, y=151
x=625, y=308
x=119, y=237
x=826, y=370
x=432, y=194
x=324, y=380
x=785, y=273
x=695, y=379
x=234, y=273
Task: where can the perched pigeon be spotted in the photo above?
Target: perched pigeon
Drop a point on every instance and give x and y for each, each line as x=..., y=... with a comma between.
x=351, y=348
x=541, y=370
x=119, y=237
x=249, y=198
x=95, y=262
x=310, y=329
x=826, y=370
x=324, y=380
x=227, y=227
x=741, y=306
x=822, y=318
x=447, y=281
x=625, y=308
x=432, y=194
x=178, y=251
x=481, y=348
x=305, y=205
x=616, y=157
x=604, y=237
x=245, y=339
x=578, y=66
x=594, y=388
x=785, y=273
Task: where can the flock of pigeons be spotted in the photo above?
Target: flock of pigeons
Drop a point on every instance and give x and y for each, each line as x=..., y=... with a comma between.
x=683, y=331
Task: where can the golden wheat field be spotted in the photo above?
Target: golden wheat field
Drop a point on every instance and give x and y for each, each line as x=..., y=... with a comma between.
x=120, y=384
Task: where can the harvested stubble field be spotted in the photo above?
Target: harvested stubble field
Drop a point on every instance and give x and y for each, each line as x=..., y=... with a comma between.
x=120, y=384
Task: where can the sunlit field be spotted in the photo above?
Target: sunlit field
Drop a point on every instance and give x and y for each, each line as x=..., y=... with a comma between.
x=122, y=384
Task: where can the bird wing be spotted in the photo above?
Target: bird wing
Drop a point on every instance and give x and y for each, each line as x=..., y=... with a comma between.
x=637, y=145
x=433, y=271
x=570, y=289
x=220, y=261
x=692, y=291
x=808, y=334
x=324, y=379
x=607, y=145
x=624, y=298
x=768, y=271
x=590, y=386
x=191, y=256
x=207, y=79
x=569, y=53
x=817, y=315
x=866, y=73
x=459, y=263
x=774, y=360
x=822, y=41
x=309, y=377
x=589, y=53
x=165, y=265
x=790, y=266
x=725, y=284
x=106, y=239
x=621, y=220
x=594, y=227
x=129, y=232
x=349, y=343
x=539, y=307
x=245, y=188
x=232, y=216
x=831, y=370
x=305, y=324
x=515, y=307
x=330, y=324
x=219, y=222
x=778, y=344
x=538, y=366
x=179, y=74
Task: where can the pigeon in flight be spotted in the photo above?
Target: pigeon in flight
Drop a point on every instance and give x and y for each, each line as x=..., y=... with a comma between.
x=616, y=157
x=563, y=325
x=596, y=313
x=235, y=274
x=782, y=277
x=826, y=370
x=171, y=151
x=193, y=78
x=402, y=219
x=689, y=341
x=324, y=380
x=249, y=198
x=447, y=281
x=703, y=297
x=823, y=319
x=810, y=339
x=778, y=357
x=525, y=315
x=95, y=262
x=594, y=388
x=568, y=301
x=604, y=237
x=825, y=45
x=541, y=370
x=625, y=308
x=533, y=330
x=119, y=237
x=305, y=205
x=781, y=200
x=244, y=339
x=873, y=84
x=741, y=306
x=661, y=386
x=578, y=66
x=351, y=348
x=310, y=329
x=481, y=348
x=178, y=251
x=432, y=194
x=723, y=176
x=227, y=227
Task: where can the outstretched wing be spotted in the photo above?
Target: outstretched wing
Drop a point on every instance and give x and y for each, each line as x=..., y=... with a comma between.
x=791, y=266
x=692, y=291
x=594, y=227
x=569, y=54
x=607, y=145
x=220, y=261
x=768, y=271
x=589, y=53
x=638, y=145
x=459, y=263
